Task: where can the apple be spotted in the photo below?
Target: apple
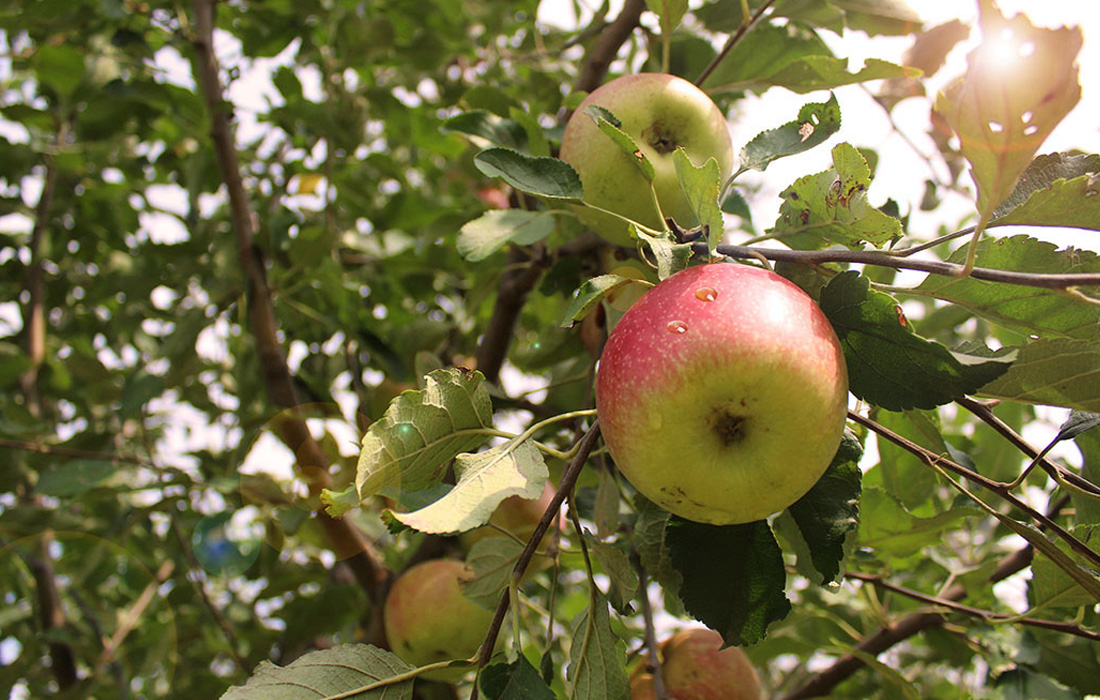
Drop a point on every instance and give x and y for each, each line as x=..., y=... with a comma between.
x=661, y=113
x=428, y=619
x=694, y=666
x=722, y=393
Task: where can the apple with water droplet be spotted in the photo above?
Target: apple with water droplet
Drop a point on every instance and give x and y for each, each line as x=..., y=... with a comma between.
x=694, y=666
x=722, y=393
x=428, y=619
x=661, y=113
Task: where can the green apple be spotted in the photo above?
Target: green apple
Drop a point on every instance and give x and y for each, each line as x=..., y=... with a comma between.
x=722, y=393
x=694, y=666
x=661, y=113
x=428, y=619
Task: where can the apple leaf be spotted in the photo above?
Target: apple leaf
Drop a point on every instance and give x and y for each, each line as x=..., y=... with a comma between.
x=483, y=480
x=1052, y=371
x=733, y=577
x=542, y=176
x=1027, y=310
x=590, y=293
x=488, y=126
x=701, y=186
x=831, y=207
x=670, y=256
x=670, y=12
x=887, y=527
x=340, y=670
x=888, y=364
x=622, y=579
x=1050, y=586
x=491, y=560
x=611, y=127
x=816, y=122
x=518, y=680
x=1058, y=189
x=485, y=235
x=597, y=658
x=1019, y=84
x=410, y=446
x=651, y=539
x=1088, y=508
x=73, y=478
x=829, y=512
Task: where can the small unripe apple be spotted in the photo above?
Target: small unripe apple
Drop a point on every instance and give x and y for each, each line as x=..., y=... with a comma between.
x=722, y=393
x=661, y=113
x=428, y=619
x=694, y=666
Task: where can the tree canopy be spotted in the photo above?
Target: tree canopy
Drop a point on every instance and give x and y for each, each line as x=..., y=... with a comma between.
x=293, y=295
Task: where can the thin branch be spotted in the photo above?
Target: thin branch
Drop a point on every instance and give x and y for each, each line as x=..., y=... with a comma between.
x=936, y=267
x=70, y=452
x=654, y=663
x=987, y=615
x=734, y=40
x=568, y=480
x=51, y=614
x=521, y=275
x=612, y=37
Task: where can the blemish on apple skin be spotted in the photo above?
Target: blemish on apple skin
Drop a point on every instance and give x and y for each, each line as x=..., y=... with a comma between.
x=677, y=327
x=706, y=293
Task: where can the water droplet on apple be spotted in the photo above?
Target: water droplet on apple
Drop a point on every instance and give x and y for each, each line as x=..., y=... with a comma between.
x=677, y=327
x=706, y=293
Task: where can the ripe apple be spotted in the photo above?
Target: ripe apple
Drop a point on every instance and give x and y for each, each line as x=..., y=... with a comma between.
x=427, y=619
x=722, y=393
x=661, y=113
x=694, y=666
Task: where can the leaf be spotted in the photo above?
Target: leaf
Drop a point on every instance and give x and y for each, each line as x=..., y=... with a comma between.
x=622, y=577
x=1088, y=509
x=590, y=294
x=888, y=364
x=1060, y=184
x=887, y=527
x=1052, y=371
x=1024, y=309
x=485, y=235
x=701, y=186
x=491, y=560
x=1077, y=423
x=829, y=512
x=484, y=479
x=831, y=207
x=597, y=658
x=816, y=122
x=543, y=176
x=518, y=680
x=139, y=389
x=611, y=127
x=491, y=127
x=1021, y=683
x=670, y=12
x=1052, y=587
x=74, y=477
x=320, y=674
x=1019, y=84
x=651, y=540
x=421, y=431
x=733, y=577
x=670, y=256
x=340, y=503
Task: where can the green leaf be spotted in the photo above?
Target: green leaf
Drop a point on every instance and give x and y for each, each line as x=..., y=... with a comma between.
x=319, y=674
x=484, y=479
x=888, y=364
x=597, y=658
x=488, y=126
x=140, y=388
x=1088, y=509
x=491, y=560
x=611, y=127
x=1022, y=683
x=670, y=256
x=831, y=207
x=651, y=540
x=60, y=65
x=485, y=235
x=1060, y=185
x=1024, y=309
x=670, y=12
x=543, y=177
x=1052, y=587
x=622, y=578
x=74, y=477
x=701, y=186
x=887, y=527
x=1052, y=371
x=829, y=512
x=518, y=680
x=421, y=431
x=591, y=293
x=340, y=503
x=733, y=577
x=816, y=122
x=1003, y=113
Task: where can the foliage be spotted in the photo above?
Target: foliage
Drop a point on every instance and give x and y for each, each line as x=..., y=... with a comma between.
x=261, y=353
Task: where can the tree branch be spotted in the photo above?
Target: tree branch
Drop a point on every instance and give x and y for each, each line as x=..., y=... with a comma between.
x=348, y=542
x=522, y=272
x=936, y=267
x=599, y=58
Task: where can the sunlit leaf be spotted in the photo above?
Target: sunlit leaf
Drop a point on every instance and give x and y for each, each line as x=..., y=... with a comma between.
x=340, y=669
x=543, y=176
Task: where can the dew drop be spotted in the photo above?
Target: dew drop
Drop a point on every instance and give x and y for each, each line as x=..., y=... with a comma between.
x=706, y=293
x=677, y=327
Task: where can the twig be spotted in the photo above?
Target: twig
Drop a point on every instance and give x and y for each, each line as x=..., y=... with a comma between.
x=522, y=274
x=70, y=452
x=936, y=267
x=734, y=40
x=654, y=665
x=611, y=39
x=987, y=615
x=568, y=481
x=51, y=614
